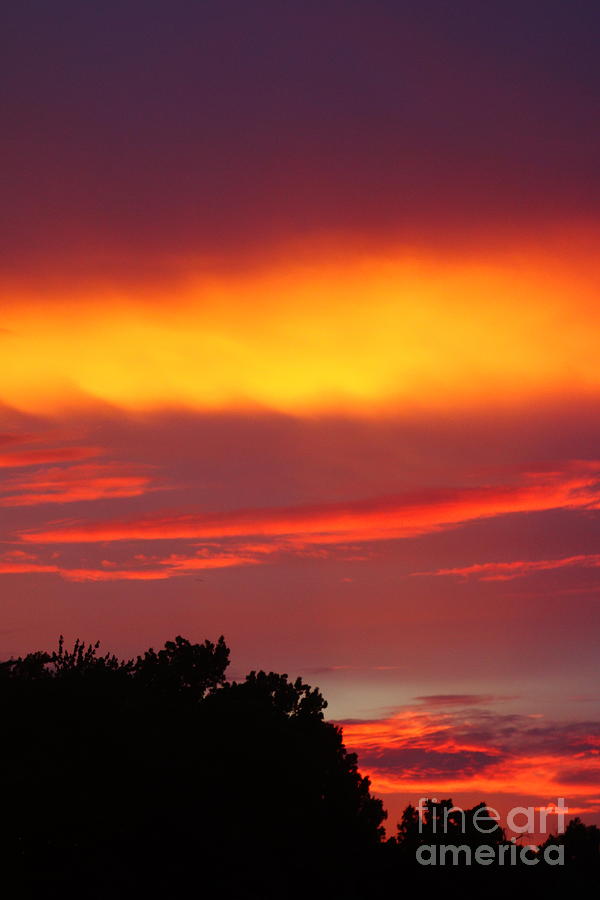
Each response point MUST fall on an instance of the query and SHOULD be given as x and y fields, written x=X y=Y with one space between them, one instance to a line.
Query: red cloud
x=444 y=700
x=506 y=571
x=574 y=486
x=420 y=752
x=12 y=438
x=8 y=567
x=73 y=483
x=142 y=569
x=44 y=455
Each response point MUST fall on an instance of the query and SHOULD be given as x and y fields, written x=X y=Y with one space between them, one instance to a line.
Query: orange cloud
x=390 y=331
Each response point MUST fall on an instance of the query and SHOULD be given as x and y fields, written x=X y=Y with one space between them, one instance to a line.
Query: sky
x=300 y=343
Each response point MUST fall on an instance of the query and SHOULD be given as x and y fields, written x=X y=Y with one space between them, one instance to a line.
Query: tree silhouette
x=581 y=843
x=443 y=823
x=148 y=776
x=182 y=666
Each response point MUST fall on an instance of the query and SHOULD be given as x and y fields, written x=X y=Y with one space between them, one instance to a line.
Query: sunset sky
x=300 y=343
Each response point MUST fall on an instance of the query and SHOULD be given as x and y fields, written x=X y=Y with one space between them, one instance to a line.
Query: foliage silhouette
x=443 y=823
x=149 y=775
x=581 y=843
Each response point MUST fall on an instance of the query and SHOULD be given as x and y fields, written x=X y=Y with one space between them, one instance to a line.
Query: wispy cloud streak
x=576 y=485
x=506 y=571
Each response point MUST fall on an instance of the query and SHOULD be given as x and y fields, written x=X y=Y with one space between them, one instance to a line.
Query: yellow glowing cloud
x=360 y=335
